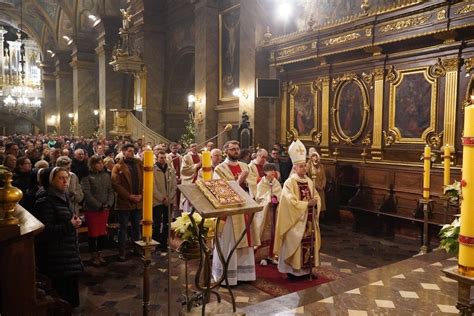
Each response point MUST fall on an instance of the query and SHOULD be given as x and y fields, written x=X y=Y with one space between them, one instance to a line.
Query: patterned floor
x=117 y=288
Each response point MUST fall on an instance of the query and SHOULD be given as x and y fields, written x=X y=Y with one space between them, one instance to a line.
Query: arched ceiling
x=48 y=21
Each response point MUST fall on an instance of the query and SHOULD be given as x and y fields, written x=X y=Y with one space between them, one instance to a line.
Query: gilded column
x=325 y=117
x=378 y=114
x=284 y=98
x=450 y=100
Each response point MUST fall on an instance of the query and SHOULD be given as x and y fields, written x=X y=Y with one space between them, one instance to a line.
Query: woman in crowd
x=23 y=179
x=57 y=245
x=75 y=191
x=99 y=198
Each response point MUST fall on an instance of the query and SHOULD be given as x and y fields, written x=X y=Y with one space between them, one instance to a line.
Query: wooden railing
x=128 y=125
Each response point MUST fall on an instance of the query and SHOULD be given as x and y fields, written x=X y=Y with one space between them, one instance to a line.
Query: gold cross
x=300 y=150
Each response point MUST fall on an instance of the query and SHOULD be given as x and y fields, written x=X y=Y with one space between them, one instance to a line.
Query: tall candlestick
x=426 y=172
x=147 y=194
x=466 y=235
x=447 y=165
x=206 y=165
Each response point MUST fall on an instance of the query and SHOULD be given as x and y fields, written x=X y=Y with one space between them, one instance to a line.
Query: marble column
x=63 y=75
x=248 y=22
x=85 y=94
x=206 y=67
x=110 y=81
x=49 y=108
x=150 y=39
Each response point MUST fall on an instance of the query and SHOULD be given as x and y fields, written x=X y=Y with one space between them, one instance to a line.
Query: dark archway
x=180 y=85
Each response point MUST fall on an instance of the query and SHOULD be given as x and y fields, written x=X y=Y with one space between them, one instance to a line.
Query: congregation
x=69 y=183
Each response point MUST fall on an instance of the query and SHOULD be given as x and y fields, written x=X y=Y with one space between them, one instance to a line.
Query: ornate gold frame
x=219 y=41
x=293 y=91
x=338 y=84
x=394 y=84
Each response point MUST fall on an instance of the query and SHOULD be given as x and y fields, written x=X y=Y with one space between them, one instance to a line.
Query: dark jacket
x=122 y=183
x=98 y=191
x=79 y=168
x=57 y=245
x=26 y=182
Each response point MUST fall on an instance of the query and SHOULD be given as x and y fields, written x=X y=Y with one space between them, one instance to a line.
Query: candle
x=206 y=165
x=447 y=165
x=426 y=172
x=147 y=194
x=466 y=235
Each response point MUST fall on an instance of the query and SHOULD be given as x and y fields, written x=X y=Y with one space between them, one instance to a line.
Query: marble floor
x=368 y=280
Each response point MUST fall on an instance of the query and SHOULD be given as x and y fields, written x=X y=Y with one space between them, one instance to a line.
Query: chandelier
x=20 y=73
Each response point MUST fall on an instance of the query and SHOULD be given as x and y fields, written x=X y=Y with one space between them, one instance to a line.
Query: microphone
x=226 y=129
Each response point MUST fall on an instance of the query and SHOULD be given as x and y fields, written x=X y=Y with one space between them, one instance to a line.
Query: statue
x=126 y=18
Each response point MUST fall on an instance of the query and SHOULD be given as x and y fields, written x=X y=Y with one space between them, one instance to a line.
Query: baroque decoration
x=304 y=110
x=351 y=109
x=412 y=103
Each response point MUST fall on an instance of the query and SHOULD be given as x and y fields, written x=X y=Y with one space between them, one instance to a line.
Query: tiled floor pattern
x=117 y=288
x=419 y=291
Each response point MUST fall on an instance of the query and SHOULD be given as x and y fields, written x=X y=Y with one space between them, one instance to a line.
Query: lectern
x=206 y=209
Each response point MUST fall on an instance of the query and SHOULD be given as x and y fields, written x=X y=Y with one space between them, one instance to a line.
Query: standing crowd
x=72 y=182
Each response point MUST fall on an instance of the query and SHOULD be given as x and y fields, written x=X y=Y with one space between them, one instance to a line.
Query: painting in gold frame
x=351 y=108
x=303 y=110
x=412 y=114
x=229 y=52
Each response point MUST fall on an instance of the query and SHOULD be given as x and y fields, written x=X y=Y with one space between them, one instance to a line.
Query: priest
x=242 y=263
x=297 y=235
x=256 y=171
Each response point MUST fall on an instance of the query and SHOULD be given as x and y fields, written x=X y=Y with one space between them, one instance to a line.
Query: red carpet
x=276 y=284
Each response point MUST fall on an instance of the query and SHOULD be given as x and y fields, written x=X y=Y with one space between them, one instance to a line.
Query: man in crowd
x=242 y=263
x=79 y=164
x=256 y=170
x=164 y=194
x=190 y=166
x=127 y=180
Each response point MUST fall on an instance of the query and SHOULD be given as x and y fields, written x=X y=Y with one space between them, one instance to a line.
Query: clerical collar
x=230 y=162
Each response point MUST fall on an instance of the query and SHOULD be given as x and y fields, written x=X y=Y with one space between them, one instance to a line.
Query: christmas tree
x=190 y=132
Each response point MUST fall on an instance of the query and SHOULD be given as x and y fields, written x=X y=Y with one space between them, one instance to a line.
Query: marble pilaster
x=63 y=77
x=85 y=97
x=110 y=82
x=206 y=67
x=49 y=101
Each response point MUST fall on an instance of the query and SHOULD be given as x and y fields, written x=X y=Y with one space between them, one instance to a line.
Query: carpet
x=270 y=281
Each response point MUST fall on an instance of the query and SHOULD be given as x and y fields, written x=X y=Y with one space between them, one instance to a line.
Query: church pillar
x=63 y=77
x=50 y=111
x=248 y=21
x=150 y=39
x=376 y=149
x=450 y=100
x=85 y=99
x=110 y=81
x=206 y=68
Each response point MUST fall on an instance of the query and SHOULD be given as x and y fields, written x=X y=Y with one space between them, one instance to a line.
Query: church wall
x=371 y=109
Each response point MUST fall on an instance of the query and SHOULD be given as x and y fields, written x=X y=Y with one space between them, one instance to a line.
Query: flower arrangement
x=449 y=233
x=184 y=229
x=453 y=193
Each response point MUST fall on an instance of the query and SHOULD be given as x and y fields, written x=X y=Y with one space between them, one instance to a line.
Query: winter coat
x=57 y=246
x=75 y=192
x=97 y=188
x=26 y=182
x=80 y=168
x=122 y=184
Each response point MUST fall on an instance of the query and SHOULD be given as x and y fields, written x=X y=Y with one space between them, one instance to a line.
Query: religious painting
x=351 y=108
x=412 y=105
x=229 y=52
x=303 y=110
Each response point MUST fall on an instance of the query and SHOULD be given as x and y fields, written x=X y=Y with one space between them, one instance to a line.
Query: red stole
x=305 y=193
x=176 y=164
x=260 y=172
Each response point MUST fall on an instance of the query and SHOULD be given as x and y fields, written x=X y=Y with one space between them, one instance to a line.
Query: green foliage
x=190 y=132
x=449 y=235
x=453 y=192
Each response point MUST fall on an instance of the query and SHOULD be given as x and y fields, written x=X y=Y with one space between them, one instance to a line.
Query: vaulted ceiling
x=48 y=21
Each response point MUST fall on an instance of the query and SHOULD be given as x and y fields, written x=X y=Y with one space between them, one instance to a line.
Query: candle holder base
x=147 y=247
x=465 y=304
x=213 y=308
x=427 y=207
